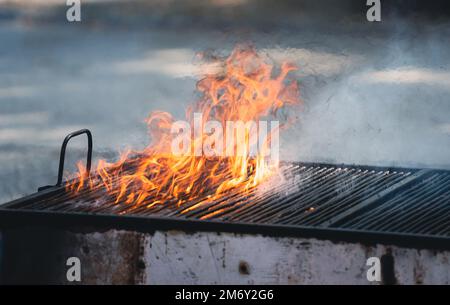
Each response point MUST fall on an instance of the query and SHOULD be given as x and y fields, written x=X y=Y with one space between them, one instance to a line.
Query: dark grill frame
x=14 y=214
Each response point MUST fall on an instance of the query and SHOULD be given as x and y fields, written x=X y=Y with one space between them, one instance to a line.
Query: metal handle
x=63 y=155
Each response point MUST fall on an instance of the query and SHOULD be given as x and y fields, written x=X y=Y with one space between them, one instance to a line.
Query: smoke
x=387 y=105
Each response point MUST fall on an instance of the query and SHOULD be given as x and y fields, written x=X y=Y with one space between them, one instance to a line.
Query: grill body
x=347 y=212
x=384 y=201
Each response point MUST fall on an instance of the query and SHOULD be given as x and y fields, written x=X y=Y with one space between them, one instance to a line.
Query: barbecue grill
x=395 y=213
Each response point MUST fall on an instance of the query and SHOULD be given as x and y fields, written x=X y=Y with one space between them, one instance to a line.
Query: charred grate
x=307 y=195
x=422 y=208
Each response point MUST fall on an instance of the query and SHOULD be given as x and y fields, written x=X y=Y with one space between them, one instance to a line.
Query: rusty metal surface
x=211 y=258
x=38 y=255
x=175 y=257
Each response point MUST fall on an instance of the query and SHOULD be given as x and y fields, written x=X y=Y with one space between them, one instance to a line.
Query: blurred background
x=374 y=93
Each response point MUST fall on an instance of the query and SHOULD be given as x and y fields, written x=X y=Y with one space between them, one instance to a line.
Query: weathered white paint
x=212 y=258
x=175 y=257
x=421 y=266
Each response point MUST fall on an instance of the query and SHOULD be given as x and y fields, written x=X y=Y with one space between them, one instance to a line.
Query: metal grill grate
x=423 y=208
x=307 y=195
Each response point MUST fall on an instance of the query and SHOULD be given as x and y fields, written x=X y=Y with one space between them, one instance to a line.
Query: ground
x=374 y=93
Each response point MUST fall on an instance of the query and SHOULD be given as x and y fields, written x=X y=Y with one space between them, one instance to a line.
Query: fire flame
x=247 y=89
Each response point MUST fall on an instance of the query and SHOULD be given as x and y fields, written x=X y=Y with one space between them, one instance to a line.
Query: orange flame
x=248 y=89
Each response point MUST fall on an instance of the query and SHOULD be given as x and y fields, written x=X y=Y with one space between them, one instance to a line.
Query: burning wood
x=248 y=90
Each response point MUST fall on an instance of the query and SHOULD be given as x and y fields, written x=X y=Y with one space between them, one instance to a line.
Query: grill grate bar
x=321 y=192
x=308 y=195
x=366 y=190
x=423 y=208
x=323 y=211
x=250 y=197
x=258 y=202
x=383 y=209
x=327 y=193
x=410 y=215
x=331 y=192
x=312 y=181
